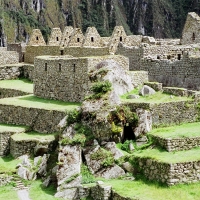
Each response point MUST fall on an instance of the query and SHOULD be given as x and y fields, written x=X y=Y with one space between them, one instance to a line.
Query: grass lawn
x=158 y=97
x=8 y=193
x=183 y=130
x=34 y=136
x=149 y=191
x=8 y=164
x=12 y=128
x=32 y=101
x=170 y=157
x=18 y=84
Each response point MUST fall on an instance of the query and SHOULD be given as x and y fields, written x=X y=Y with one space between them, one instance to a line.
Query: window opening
x=74 y=68
x=179 y=56
x=37 y=38
x=193 y=37
x=92 y=39
x=45 y=67
x=59 y=67
x=62 y=52
x=120 y=39
x=57 y=39
x=78 y=39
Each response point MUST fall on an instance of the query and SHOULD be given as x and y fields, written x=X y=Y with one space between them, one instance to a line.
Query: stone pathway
x=22 y=191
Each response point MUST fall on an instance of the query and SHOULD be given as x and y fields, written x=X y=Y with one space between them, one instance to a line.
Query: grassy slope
x=158 y=97
x=34 y=136
x=12 y=128
x=150 y=191
x=170 y=157
x=31 y=101
x=183 y=130
x=20 y=84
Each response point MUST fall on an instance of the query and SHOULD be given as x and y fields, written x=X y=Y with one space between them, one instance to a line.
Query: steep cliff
x=158 y=18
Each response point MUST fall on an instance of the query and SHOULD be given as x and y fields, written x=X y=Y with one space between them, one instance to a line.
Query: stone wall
x=36 y=38
x=9 y=72
x=9 y=57
x=133 y=53
x=169 y=174
x=92 y=38
x=5 y=179
x=77 y=38
x=66 y=78
x=169 y=113
x=40 y=120
x=66 y=36
x=55 y=37
x=16 y=47
x=86 y=51
x=27 y=71
x=184 y=73
x=190 y=32
x=33 y=51
x=176 y=144
x=4 y=93
x=4 y=143
x=139 y=77
x=61 y=78
x=27 y=146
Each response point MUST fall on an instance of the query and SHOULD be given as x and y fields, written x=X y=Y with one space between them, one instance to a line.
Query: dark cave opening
x=128 y=133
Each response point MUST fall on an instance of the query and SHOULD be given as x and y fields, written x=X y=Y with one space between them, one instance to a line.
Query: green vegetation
x=34 y=136
x=169 y=157
x=23 y=85
x=151 y=191
x=87 y=176
x=183 y=130
x=8 y=192
x=73 y=116
x=99 y=89
x=12 y=128
x=158 y=97
x=8 y=164
x=31 y=101
x=77 y=139
x=104 y=155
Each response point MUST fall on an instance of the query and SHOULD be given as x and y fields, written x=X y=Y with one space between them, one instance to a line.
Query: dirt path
x=23 y=194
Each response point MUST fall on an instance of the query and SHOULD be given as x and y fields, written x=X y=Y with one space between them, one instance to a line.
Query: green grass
x=34 y=136
x=170 y=157
x=23 y=85
x=8 y=193
x=149 y=191
x=32 y=101
x=158 y=97
x=38 y=192
x=12 y=128
x=8 y=164
x=183 y=130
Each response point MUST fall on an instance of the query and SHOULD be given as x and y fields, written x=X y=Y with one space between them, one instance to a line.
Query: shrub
x=87 y=176
x=101 y=87
x=73 y=116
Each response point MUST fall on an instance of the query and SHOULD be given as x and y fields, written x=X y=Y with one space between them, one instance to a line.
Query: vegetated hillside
x=158 y=18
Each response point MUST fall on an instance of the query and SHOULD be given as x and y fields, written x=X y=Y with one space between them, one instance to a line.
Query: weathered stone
x=146 y=90
x=128 y=167
x=133 y=96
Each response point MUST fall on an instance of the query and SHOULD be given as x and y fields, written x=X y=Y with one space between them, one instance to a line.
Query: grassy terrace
x=23 y=85
x=34 y=136
x=32 y=101
x=183 y=130
x=12 y=128
x=158 y=97
x=170 y=157
x=150 y=191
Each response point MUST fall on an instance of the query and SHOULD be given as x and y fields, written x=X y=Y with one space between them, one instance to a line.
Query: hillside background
x=158 y=18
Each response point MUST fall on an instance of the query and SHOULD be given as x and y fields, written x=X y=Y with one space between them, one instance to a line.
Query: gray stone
x=47 y=181
x=111 y=146
x=146 y=90
x=133 y=96
x=111 y=172
x=69 y=194
x=128 y=167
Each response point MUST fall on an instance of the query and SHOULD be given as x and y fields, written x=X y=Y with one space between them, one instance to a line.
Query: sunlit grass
x=12 y=128
x=183 y=130
x=32 y=101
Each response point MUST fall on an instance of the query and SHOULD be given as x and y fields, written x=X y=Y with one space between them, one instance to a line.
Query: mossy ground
x=182 y=130
x=32 y=101
x=23 y=85
x=12 y=128
x=158 y=97
x=34 y=136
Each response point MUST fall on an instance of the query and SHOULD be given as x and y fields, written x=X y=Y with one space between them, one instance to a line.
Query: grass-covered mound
x=184 y=130
x=158 y=97
x=23 y=85
x=170 y=157
x=150 y=191
x=32 y=101
x=12 y=128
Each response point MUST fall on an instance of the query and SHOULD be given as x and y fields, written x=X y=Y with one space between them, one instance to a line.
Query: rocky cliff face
x=158 y=18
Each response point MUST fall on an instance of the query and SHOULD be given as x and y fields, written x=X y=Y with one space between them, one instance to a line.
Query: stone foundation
x=176 y=144
x=4 y=93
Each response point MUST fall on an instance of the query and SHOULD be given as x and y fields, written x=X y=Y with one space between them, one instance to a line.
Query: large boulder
x=110 y=70
x=144 y=122
x=146 y=90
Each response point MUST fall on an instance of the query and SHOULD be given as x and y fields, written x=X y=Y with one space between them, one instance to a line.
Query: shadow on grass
x=50 y=190
x=41 y=100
